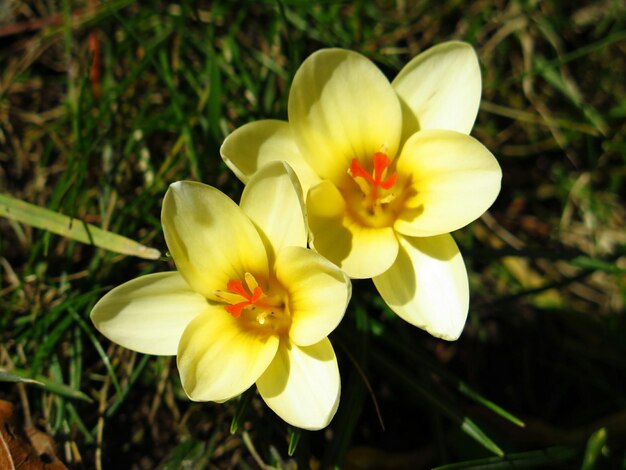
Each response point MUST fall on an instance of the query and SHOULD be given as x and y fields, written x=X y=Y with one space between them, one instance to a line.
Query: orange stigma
x=376 y=180
x=246 y=299
x=374 y=195
x=251 y=298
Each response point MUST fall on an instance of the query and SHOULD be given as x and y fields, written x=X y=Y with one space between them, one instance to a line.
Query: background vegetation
x=104 y=104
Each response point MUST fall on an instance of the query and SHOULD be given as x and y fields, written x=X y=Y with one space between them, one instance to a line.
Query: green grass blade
x=8 y=377
x=242 y=409
x=598 y=265
x=111 y=410
x=48 y=344
x=536 y=458
x=69 y=227
x=100 y=350
x=294 y=438
x=556 y=79
x=595 y=444
x=183 y=455
x=472 y=394
x=471 y=429
x=78 y=422
x=53 y=386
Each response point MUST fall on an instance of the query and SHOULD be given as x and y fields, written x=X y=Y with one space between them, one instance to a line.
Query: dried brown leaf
x=20 y=450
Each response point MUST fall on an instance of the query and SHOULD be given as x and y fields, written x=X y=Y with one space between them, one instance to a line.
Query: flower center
x=246 y=301
x=372 y=201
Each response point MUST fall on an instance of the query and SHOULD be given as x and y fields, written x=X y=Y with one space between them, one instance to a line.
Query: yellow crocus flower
x=388 y=169
x=249 y=303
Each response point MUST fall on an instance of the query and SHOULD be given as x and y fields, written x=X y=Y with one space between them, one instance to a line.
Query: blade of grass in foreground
x=69 y=227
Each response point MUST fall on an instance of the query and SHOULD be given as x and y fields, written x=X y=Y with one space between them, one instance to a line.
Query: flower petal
x=149 y=313
x=253 y=145
x=454 y=180
x=440 y=89
x=218 y=359
x=210 y=238
x=319 y=293
x=302 y=384
x=273 y=201
x=362 y=252
x=427 y=285
x=341 y=106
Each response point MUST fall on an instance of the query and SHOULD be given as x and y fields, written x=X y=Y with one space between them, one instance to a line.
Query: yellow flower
x=249 y=303
x=388 y=169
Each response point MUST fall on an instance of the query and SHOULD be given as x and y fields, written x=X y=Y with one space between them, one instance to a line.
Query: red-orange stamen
x=381 y=162
x=236 y=287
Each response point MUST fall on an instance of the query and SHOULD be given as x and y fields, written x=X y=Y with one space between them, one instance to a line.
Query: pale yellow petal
x=273 y=201
x=253 y=145
x=362 y=252
x=302 y=385
x=210 y=238
x=218 y=359
x=440 y=89
x=149 y=313
x=341 y=106
x=427 y=285
x=454 y=179
x=318 y=293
